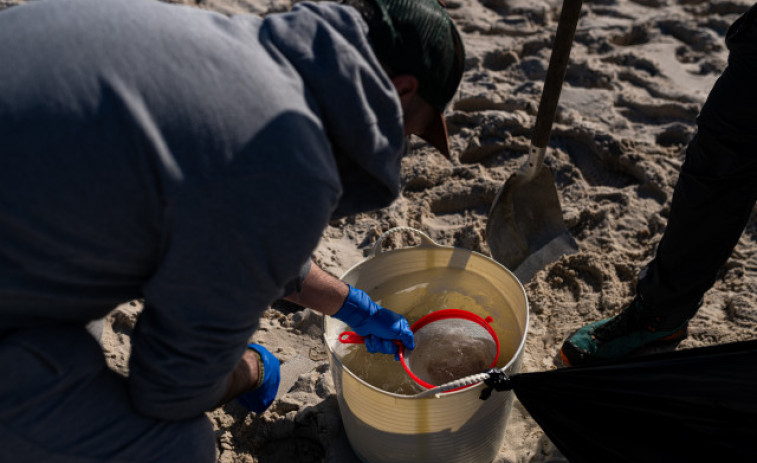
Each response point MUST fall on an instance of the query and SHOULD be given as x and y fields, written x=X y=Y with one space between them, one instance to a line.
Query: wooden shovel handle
x=558 y=63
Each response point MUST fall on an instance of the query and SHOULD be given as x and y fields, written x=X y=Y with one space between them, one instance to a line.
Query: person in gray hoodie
x=191 y=159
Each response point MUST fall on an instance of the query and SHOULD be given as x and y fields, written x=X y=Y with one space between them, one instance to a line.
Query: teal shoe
x=620 y=336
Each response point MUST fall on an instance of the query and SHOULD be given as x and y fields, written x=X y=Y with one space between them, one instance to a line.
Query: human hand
x=379 y=326
x=260 y=398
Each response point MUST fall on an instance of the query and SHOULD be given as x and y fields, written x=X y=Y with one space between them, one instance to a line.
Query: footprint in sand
x=596 y=157
x=636 y=34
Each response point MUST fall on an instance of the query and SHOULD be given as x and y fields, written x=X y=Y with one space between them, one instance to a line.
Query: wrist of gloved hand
x=380 y=326
x=260 y=398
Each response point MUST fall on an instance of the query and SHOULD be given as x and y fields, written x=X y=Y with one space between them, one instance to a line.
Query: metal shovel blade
x=525 y=229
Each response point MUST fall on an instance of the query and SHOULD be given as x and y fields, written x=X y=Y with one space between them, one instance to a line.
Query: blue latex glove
x=261 y=398
x=379 y=326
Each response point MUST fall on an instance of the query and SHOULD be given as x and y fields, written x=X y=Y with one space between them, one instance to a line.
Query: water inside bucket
x=381 y=371
x=420 y=293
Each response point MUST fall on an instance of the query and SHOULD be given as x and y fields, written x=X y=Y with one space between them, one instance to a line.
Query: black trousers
x=716 y=189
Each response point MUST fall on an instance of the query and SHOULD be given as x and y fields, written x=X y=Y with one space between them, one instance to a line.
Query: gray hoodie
x=193 y=159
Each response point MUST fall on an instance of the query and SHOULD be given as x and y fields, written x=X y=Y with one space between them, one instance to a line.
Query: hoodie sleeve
x=233 y=248
x=328 y=45
x=295 y=285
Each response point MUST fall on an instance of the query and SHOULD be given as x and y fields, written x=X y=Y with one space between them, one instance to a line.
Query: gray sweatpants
x=59 y=402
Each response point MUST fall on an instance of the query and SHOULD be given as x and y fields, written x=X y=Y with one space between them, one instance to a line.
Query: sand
x=639 y=72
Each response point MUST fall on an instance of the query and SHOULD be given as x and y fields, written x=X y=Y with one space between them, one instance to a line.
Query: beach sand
x=638 y=75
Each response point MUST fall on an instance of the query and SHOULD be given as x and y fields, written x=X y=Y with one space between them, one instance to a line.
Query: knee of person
x=196 y=443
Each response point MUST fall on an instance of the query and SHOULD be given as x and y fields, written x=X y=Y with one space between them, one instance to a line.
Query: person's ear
x=406 y=85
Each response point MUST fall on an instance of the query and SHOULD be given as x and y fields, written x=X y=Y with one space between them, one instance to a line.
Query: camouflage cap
x=418 y=37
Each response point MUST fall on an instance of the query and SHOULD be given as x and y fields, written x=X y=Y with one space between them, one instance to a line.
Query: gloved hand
x=379 y=326
x=259 y=399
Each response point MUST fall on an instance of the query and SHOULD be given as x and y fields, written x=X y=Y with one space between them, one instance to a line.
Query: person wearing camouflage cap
x=192 y=160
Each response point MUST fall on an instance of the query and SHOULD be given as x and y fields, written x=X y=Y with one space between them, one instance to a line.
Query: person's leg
x=711 y=204
x=59 y=402
x=716 y=189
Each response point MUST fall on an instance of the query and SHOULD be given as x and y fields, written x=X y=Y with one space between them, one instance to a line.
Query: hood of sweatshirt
x=328 y=45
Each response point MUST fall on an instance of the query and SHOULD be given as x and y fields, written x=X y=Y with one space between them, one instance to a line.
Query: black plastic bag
x=684 y=406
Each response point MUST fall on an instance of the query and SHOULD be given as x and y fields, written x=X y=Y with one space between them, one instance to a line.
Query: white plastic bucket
x=453 y=426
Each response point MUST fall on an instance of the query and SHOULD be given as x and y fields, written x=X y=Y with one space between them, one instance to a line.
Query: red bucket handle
x=350 y=337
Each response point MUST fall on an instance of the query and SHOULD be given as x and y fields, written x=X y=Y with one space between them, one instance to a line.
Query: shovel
x=525 y=230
